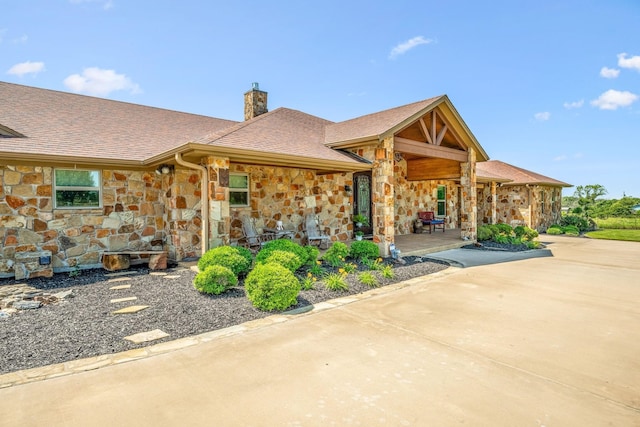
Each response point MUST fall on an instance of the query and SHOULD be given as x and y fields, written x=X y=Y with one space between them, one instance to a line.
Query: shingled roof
x=495 y=170
x=76 y=126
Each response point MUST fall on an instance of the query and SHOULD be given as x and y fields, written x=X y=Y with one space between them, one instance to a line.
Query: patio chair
x=428 y=218
x=314 y=235
x=251 y=239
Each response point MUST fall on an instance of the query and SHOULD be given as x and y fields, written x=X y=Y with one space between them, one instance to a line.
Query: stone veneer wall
x=288 y=194
x=133 y=217
x=184 y=216
x=412 y=197
x=513 y=206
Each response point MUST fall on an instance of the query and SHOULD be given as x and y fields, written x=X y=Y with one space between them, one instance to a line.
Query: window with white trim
x=238 y=189
x=442 y=201
x=77 y=188
x=542 y=201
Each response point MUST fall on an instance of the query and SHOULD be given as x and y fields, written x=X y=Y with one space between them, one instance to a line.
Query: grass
x=611 y=234
x=618 y=223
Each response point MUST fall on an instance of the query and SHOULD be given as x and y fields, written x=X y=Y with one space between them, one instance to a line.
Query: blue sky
x=550 y=86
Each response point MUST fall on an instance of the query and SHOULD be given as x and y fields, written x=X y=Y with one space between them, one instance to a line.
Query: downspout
x=204 y=199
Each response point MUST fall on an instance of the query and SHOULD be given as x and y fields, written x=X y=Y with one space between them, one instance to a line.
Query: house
x=81 y=175
x=515 y=196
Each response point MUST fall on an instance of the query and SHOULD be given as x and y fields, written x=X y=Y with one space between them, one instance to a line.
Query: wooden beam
x=433 y=125
x=422 y=149
x=425 y=130
x=441 y=134
x=430 y=169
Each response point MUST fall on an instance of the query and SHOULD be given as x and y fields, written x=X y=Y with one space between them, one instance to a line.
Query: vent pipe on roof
x=255 y=102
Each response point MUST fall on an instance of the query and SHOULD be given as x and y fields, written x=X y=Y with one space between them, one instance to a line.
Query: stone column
x=219 y=211
x=494 y=202
x=469 y=216
x=383 y=196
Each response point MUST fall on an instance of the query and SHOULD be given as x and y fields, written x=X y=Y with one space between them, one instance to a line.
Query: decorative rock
x=64 y=294
x=158 y=261
x=26 y=305
x=115 y=262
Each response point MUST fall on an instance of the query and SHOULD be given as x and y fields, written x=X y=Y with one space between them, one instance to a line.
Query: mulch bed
x=84 y=326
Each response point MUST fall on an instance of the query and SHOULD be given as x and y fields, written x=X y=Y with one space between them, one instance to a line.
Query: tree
x=587 y=196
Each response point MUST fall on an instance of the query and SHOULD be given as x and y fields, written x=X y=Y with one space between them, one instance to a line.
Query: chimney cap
x=255 y=86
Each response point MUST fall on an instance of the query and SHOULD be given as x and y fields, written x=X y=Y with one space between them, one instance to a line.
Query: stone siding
x=133 y=217
x=521 y=205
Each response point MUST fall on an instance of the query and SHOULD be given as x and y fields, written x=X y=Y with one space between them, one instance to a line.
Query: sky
x=548 y=86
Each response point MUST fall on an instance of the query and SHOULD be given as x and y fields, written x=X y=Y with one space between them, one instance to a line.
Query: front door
x=362 y=199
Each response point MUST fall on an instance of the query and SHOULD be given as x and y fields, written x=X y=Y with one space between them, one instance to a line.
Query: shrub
x=283 y=245
x=581 y=223
x=288 y=260
x=571 y=230
x=367 y=278
x=387 y=272
x=215 y=279
x=271 y=287
x=525 y=233
x=308 y=282
x=485 y=232
x=336 y=254
x=336 y=282
x=227 y=256
x=246 y=253
x=316 y=269
x=505 y=229
x=555 y=230
x=312 y=254
x=364 y=249
x=349 y=267
x=373 y=265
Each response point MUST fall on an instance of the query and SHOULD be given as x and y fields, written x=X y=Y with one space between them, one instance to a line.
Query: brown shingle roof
x=281 y=131
x=64 y=124
x=373 y=125
x=495 y=170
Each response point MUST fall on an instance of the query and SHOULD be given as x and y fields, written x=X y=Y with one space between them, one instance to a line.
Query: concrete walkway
x=551 y=341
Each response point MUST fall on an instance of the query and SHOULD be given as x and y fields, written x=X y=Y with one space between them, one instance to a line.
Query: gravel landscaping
x=82 y=324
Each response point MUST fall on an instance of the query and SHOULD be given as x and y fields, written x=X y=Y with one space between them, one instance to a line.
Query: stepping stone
x=156 y=334
x=173 y=276
x=157 y=273
x=130 y=310
x=120 y=273
x=115 y=300
x=119 y=279
x=115 y=288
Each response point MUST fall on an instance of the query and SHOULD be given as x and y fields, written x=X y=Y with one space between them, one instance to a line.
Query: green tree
x=587 y=196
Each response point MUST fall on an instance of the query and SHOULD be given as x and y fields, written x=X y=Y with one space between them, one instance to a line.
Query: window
x=442 y=200
x=542 y=201
x=76 y=188
x=239 y=190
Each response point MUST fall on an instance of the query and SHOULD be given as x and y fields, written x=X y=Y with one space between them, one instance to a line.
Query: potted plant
x=359 y=235
x=360 y=220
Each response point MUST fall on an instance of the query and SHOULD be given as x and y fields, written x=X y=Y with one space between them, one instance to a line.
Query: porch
x=425 y=243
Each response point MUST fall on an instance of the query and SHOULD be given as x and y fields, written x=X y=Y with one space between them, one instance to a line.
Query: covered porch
x=424 y=243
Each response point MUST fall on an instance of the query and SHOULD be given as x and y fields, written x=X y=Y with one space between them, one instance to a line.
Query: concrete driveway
x=551 y=341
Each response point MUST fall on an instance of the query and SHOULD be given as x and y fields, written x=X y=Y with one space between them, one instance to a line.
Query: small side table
x=281 y=234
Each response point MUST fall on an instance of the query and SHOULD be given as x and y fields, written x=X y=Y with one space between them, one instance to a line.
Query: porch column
x=383 y=196
x=469 y=216
x=494 y=202
x=219 y=211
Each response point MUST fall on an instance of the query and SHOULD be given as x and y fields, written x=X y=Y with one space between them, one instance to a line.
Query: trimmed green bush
x=571 y=230
x=288 y=260
x=555 y=230
x=485 y=232
x=271 y=287
x=246 y=253
x=227 y=256
x=312 y=254
x=581 y=223
x=282 y=245
x=364 y=249
x=525 y=233
x=215 y=279
x=368 y=278
x=336 y=254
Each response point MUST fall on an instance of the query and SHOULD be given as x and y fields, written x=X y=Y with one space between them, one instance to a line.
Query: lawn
x=627 y=235
x=618 y=223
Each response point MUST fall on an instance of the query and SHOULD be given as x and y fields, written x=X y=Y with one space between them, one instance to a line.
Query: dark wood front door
x=362 y=199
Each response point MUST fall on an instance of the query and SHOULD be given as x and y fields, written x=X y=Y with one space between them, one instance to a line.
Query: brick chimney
x=255 y=102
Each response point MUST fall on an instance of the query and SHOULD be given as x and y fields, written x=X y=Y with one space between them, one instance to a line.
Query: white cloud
x=106 y=4
x=560 y=158
x=404 y=47
x=95 y=81
x=609 y=73
x=633 y=62
x=543 y=116
x=612 y=99
x=26 y=68
x=22 y=39
x=574 y=104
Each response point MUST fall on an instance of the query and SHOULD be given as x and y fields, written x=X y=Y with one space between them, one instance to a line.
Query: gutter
x=204 y=199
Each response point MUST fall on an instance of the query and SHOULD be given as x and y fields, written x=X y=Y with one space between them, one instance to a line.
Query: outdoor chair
x=251 y=239
x=428 y=218
x=314 y=235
